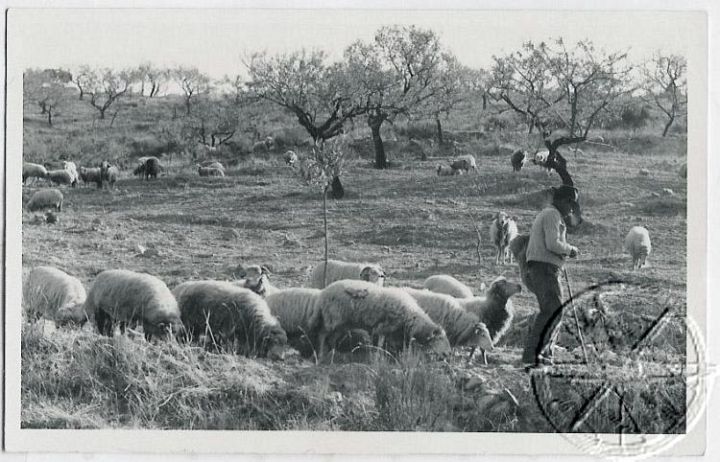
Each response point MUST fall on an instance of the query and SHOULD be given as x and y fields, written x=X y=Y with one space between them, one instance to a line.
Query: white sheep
x=290 y=158
x=60 y=177
x=31 y=170
x=128 y=297
x=461 y=327
x=540 y=159
x=447 y=170
x=337 y=270
x=298 y=312
x=464 y=162
x=383 y=312
x=446 y=284
x=110 y=175
x=503 y=230
x=495 y=308
x=257 y=279
x=91 y=175
x=637 y=244
x=72 y=169
x=54 y=295
x=45 y=198
x=210 y=171
x=231 y=315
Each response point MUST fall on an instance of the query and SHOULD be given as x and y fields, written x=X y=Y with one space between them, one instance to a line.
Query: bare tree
x=81 y=78
x=213 y=122
x=395 y=74
x=560 y=91
x=665 y=87
x=192 y=82
x=106 y=86
x=47 y=89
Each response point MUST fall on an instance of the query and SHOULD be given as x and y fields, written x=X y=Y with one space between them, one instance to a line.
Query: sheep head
x=481 y=337
x=503 y=289
x=373 y=274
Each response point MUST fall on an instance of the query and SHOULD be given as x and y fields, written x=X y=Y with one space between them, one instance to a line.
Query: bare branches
x=665 y=86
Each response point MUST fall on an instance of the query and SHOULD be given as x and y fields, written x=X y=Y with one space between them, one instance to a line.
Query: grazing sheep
x=383 y=312
x=91 y=175
x=518 y=247
x=128 y=297
x=229 y=314
x=212 y=164
x=447 y=170
x=31 y=170
x=150 y=167
x=257 y=279
x=298 y=312
x=464 y=162
x=290 y=158
x=60 y=177
x=518 y=159
x=264 y=145
x=644 y=172
x=683 y=170
x=210 y=171
x=337 y=270
x=495 y=308
x=462 y=328
x=140 y=166
x=54 y=295
x=445 y=284
x=503 y=230
x=72 y=169
x=637 y=244
x=45 y=198
x=109 y=175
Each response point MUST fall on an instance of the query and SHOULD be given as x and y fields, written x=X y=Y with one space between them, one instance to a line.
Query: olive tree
x=106 y=86
x=46 y=88
x=192 y=82
x=665 y=85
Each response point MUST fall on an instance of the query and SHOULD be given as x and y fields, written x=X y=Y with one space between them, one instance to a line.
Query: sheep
x=644 y=172
x=257 y=279
x=229 y=314
x=446 y=284
x=540 y=159
x=298 y=312
x=446 y=170
x=383 y=312
x=212 y=164
x=464 y=162
x=140 y=166
x=337 y=270
x=54 y=295
x=150 y=167
x=683 y=170
x=637 y=244
x=109 y=175
x=91 y=175
x=45 y=198
x=495 y=308
x=503 y=230
x=461 y=327
x=128 y=297
x=72 y=169
x=263 y=145
x=290 y=158
x=210 y=171
x=518 y=159
x=31 y=170
x=60 y=177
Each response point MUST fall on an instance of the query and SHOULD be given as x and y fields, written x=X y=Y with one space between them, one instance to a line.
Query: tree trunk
x=375 y=122
x=142 y=88
x=556 y=161
x=187 y=106
x=337 y=188
x=668 y=125
x=325 y=227
x=102 y=114
x=49 y=115
x=438 y=125
x=485 y=100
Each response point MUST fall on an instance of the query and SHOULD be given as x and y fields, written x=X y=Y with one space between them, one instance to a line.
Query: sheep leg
x=472 y=352
x=320 y=354
x=484 y=355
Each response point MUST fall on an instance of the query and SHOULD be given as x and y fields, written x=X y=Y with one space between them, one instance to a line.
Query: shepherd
x=546 y=253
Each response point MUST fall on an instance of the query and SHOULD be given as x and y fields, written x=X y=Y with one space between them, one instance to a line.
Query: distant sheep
x=337 y=270
x=384 y=313
x=518 y=159
x=637 y=244
x=462 y=327
x=257 y=279
x=72 y=169
x=140 y=166
x=540 y=159
x=31 y=170
x=290 y=158
x=230 y=315
x=212 y=164
x=298 y=312
x=109 y=175
x=149 y=168
x=464 y=162
x=446 y=284
x=683 y=170
x=264 y=145
x=210 y=171
x=60 y=177
x=447 y=170
x=91 y=175
x=54 y=295
x=644 y=172
x=503 y=230
x=45 y=198
x=495 y=308
x=127 y=297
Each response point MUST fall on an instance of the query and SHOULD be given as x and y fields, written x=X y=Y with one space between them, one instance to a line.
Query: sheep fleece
x=336 y=271
x=445 y=284
x=45 y=198
x=444 y=310
x=297 y=309
x=48 y=290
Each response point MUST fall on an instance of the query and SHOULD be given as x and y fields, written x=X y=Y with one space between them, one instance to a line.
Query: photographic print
x=435 y=230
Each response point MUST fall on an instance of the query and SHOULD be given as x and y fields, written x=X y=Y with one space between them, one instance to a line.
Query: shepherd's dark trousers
x=544 y=281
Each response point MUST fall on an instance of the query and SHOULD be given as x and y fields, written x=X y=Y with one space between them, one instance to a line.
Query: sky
x=216 y=40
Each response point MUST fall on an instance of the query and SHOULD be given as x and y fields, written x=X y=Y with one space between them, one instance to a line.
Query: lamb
x=45 y=198
x=447 y=170
x=448 y=285
x=60 y=177
x=290 y=158
x=382 y=312
x=128 y=297
x=229 y=314
x=495 y=308
x=502 y=231
x=31 y=170
x=462 y=328
x=54 y=295
x=337 y=270
x=518 y=159
x=298 y=312
x=464 y=162
x=637 y=244
x=91 y=175
x=210 y=171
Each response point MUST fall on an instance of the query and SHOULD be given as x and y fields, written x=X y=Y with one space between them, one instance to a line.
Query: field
x=408 y=219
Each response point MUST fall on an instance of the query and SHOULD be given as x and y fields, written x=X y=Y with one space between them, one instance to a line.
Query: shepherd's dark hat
x=565 y=192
